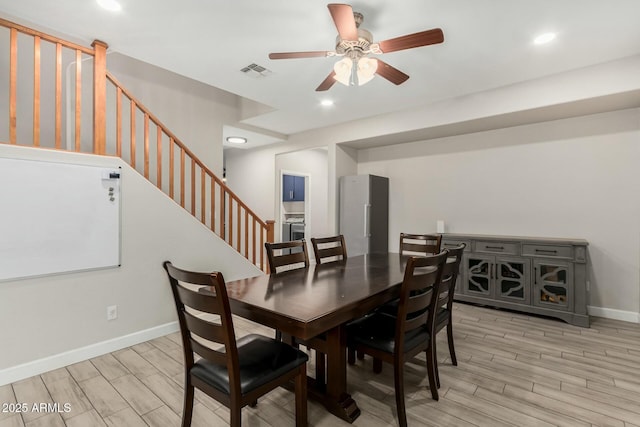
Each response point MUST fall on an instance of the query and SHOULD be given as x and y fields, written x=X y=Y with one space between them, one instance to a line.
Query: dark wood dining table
x=319 y=301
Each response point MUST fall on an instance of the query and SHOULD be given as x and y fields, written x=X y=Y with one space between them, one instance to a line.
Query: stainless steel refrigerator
x=364 y=213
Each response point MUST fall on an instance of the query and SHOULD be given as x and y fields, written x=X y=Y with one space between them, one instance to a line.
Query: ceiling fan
x=355 y=44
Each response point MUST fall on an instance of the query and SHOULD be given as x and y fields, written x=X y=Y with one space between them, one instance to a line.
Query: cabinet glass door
x=512 y=280
x=478 y=275
x=553 y=284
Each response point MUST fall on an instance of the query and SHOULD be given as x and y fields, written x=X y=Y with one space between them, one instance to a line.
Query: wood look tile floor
x=513 y=370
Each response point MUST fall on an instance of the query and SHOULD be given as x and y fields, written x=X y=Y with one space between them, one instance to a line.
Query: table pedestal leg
x=336 y=399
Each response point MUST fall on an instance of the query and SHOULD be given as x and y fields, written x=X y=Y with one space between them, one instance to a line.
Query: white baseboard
x=612 y=313
x=37 y=367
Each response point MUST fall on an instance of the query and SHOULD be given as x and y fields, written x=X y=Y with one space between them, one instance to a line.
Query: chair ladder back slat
x=330 y=252
x=208 y=353
x=199 y=301
x=288 y=259
x=419 y=302
x=416 y=322
x=206 y=329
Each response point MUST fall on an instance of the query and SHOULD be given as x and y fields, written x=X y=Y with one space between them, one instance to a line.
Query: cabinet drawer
x=448 y=244
x=497 y=247
x=548 y=251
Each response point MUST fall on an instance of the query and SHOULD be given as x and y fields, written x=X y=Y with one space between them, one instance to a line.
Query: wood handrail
x=44 y=36
x=180 y=144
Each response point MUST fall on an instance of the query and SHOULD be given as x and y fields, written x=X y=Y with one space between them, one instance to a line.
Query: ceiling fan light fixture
x=342 y=69
x=366 y=70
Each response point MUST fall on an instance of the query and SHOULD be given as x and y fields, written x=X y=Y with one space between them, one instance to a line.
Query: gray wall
x=574 y=178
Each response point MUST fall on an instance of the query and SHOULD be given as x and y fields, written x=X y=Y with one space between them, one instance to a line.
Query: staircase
x=106 y=119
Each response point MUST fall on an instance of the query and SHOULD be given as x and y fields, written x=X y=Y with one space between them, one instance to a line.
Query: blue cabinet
x=292 y=188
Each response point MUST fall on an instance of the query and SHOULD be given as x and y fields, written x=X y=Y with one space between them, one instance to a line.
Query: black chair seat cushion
x=391 y=309
x=378 y=330
x=262 y=359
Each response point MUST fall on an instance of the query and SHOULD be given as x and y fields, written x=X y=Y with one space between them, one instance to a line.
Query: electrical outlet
x=112 y=312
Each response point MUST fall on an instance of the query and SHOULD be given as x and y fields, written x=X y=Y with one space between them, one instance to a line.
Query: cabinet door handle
x=547 y=251
x=500 y=248
x=291 y=194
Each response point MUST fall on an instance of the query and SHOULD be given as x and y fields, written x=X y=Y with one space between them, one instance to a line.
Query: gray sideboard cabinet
x=546 y=276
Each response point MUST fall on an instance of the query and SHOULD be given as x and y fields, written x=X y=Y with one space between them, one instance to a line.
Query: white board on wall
x=57 y=218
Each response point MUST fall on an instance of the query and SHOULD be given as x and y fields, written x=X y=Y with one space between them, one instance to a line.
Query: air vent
x=255 y=71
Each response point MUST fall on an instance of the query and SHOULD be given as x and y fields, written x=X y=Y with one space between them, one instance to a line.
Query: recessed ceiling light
x=236 y=139
x=326 y=103
x=111 y=5
x=544 y=38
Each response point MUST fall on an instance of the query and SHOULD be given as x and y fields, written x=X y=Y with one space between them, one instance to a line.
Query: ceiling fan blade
x=390 y=73
x=409 y=41
x=327 y=83
x=290 y=55
x=342 y=15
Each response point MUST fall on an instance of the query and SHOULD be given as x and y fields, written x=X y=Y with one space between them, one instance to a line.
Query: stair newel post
x=270 y=230
x=99 y=97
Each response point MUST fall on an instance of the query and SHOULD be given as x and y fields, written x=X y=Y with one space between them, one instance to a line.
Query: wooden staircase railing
x=121 y=126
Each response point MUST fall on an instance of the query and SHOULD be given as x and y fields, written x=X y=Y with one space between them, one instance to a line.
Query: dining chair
x=329 y=249
x=396 y=340
x=414 y=244
x=279 y=257
x=444 y=303
x=243 y=369
x=423 y=244
x=289 y=255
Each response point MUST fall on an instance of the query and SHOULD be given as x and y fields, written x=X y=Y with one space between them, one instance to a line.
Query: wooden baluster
x=262 y=266
x=253 y=240
x=78 y=97
x=146 y=145
x=171 y=160
x=221 y=209
x=203 y=197
x=99 y=97
x=58 y=95
x=230 y=226
x=118 y=121
x=213 y=204
x=36 y=91
x=159 y=156
x=246 y=234
x=182 y=172
x=13 y=85
x=193 y=186
x=239 y=209
x=270 y=230
x=132 y=133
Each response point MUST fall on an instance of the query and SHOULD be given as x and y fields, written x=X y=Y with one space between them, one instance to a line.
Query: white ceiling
x=488 y=44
